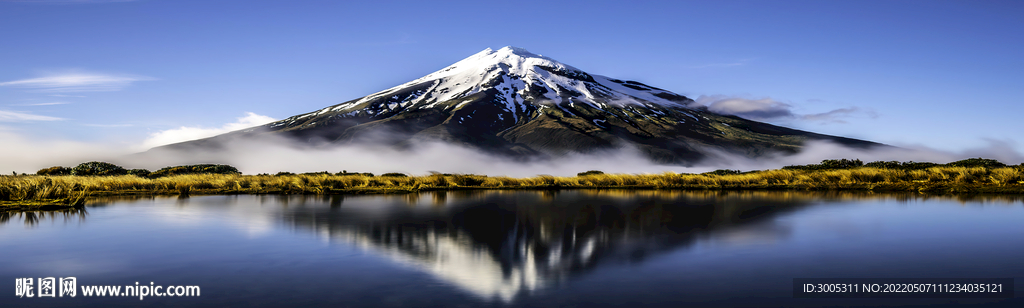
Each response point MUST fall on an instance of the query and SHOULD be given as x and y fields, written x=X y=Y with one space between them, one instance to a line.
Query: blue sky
x=941 y=74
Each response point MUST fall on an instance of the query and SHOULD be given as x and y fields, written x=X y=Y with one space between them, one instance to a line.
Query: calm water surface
x=589 y=248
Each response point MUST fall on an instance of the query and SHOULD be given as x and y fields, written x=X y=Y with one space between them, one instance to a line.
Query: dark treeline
x=834 y=164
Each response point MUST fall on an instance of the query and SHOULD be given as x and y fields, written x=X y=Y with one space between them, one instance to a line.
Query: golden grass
x=933 y=180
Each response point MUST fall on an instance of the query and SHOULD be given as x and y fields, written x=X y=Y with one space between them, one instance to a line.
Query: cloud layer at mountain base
x=26 y=155
x=186 y=133
x=272 y=156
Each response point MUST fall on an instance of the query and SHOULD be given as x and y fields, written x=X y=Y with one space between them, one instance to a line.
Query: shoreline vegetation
x=63 y=187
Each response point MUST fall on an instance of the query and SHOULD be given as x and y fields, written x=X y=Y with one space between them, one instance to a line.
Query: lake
x=569 y=248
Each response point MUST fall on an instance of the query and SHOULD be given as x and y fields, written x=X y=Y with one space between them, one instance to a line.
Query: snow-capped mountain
x=515 y=102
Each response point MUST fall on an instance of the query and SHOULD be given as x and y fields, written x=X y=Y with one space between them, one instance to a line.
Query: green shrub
x=918 y=165
x=909 y=165
x=395 y=174
x=466 y=179
x=139 y=172
x=345 y=172
x=98 y=169
x=841 y=163
x=283 y=173
x=57 y=170
x=977 y=162
x=885 y=164
x=828 y=164
x=195 y=169
x=723 y=172
x=591 y=172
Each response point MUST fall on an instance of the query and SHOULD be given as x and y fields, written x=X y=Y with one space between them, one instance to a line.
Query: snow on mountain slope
x=522 y=78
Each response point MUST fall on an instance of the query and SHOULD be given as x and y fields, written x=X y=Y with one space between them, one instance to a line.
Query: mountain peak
x=524 y=78
x=512 y=51
x=514 y=60
x=508 y=51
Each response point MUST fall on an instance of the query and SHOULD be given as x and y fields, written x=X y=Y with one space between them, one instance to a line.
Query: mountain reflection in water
x=499 y=244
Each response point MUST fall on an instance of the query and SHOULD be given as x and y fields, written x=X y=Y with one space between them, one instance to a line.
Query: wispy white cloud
x=191 y=133
x=44 y=103
x=837 y=114
x=65 y=95
x=11 y=116
x=768 y=109
x=76 y=82
x=754 y=109
x=109 y=125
